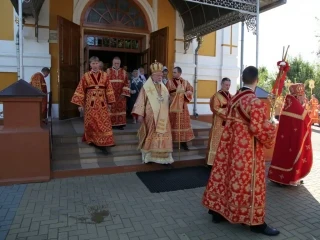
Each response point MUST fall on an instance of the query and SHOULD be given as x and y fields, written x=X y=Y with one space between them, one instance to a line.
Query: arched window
x=115 y=14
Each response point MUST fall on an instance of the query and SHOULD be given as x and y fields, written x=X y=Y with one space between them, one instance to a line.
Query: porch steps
x=70 y=153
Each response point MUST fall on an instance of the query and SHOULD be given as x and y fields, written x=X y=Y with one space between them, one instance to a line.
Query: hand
x=273 y=121
x=80 y=109
x=140 y=119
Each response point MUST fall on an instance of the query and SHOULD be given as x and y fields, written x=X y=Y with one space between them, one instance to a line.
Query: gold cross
x=150 y=90
x=230 y=44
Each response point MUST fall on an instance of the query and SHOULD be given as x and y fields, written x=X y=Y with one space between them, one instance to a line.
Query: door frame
x=84 y=30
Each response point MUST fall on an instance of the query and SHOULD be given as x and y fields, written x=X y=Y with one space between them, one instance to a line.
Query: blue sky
x=292 y=24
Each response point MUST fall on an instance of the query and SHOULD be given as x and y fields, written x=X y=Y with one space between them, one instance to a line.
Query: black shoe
x=184 y=145
x=102 y=149
x=265 y=230
x=216 y=217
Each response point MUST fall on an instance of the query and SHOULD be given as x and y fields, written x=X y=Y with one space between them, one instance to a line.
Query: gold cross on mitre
x=230 y=44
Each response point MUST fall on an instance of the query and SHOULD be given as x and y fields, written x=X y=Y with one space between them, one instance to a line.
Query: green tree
x=300 y=70
x=316 y=78
x=266 y=79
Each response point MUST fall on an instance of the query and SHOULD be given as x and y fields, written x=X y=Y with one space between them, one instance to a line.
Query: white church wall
x=35 y=53
x=224 y=64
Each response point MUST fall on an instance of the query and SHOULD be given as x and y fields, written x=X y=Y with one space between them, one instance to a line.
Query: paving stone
x=59 y=210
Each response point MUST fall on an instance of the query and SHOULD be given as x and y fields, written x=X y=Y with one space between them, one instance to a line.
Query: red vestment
x=236 y=187
x=95 y=93
x=292 y=157
x=120 y=84
x=314 y=110
x=38 y=81
x=184 y=126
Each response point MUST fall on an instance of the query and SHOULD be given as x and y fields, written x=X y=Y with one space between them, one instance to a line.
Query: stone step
x=118 y=155
x=130 y=134
x=123 y=145
x=100 y=163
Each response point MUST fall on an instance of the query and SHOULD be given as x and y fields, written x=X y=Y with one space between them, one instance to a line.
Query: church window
x=115 y=14
x=115 y=43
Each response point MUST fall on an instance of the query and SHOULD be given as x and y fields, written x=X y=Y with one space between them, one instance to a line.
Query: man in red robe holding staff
x=292 y=157
x=120 y=84
x=94 y=95
x=236 y=190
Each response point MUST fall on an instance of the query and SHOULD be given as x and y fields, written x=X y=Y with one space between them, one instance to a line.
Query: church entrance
x=106 y=46
x=129 y=61
x=107 y=29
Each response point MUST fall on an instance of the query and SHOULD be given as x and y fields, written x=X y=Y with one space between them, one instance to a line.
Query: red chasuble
x=185 y=128
x=120 y=84
x=95 y=93
x=38 y=81
x=292 y=157
x=314 y=110
x=236 y=187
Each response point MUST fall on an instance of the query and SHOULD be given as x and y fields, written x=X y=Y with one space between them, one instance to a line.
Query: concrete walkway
x=120 y=207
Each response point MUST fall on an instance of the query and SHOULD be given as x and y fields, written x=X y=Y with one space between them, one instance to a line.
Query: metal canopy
x=31 y=8
x=202 y=17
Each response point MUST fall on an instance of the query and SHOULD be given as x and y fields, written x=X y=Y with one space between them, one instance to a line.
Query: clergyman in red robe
x=94 y=96
x=236 y=190
x=120 y=84
x=314 y=109
x=292 y=157
x=181 y=93
x=38 y=81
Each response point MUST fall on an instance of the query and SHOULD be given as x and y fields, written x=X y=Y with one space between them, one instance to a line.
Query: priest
x=292 y=157
x=236 y=191
x=94 y=95
x=218 y=105
x=181 y=93
x=152 y=111
x=314 y=103
x=120 y=84
x=38 y=81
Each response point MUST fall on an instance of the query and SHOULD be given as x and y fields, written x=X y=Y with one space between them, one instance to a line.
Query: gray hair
x=94 y=59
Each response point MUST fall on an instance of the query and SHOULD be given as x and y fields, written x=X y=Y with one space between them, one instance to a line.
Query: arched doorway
x=115 y=28
x=107 y=28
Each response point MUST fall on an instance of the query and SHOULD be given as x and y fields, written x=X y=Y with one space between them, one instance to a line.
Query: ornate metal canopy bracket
x=187 y=45
x=30 y=8
x=251 y=23
x=244 y=6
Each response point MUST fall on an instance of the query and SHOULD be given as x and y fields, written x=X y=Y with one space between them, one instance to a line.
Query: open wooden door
x=85 y=59
x=69 y=66
x=145 y=60
x=159 y=46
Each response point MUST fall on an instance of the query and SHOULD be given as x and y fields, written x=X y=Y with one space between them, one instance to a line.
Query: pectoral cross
x=150 y=90
x=230 y=44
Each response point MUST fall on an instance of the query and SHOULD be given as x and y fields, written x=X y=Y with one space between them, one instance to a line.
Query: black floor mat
x=175 y=179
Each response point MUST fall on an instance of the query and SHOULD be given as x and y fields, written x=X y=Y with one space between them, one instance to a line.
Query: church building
x=64 y=34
